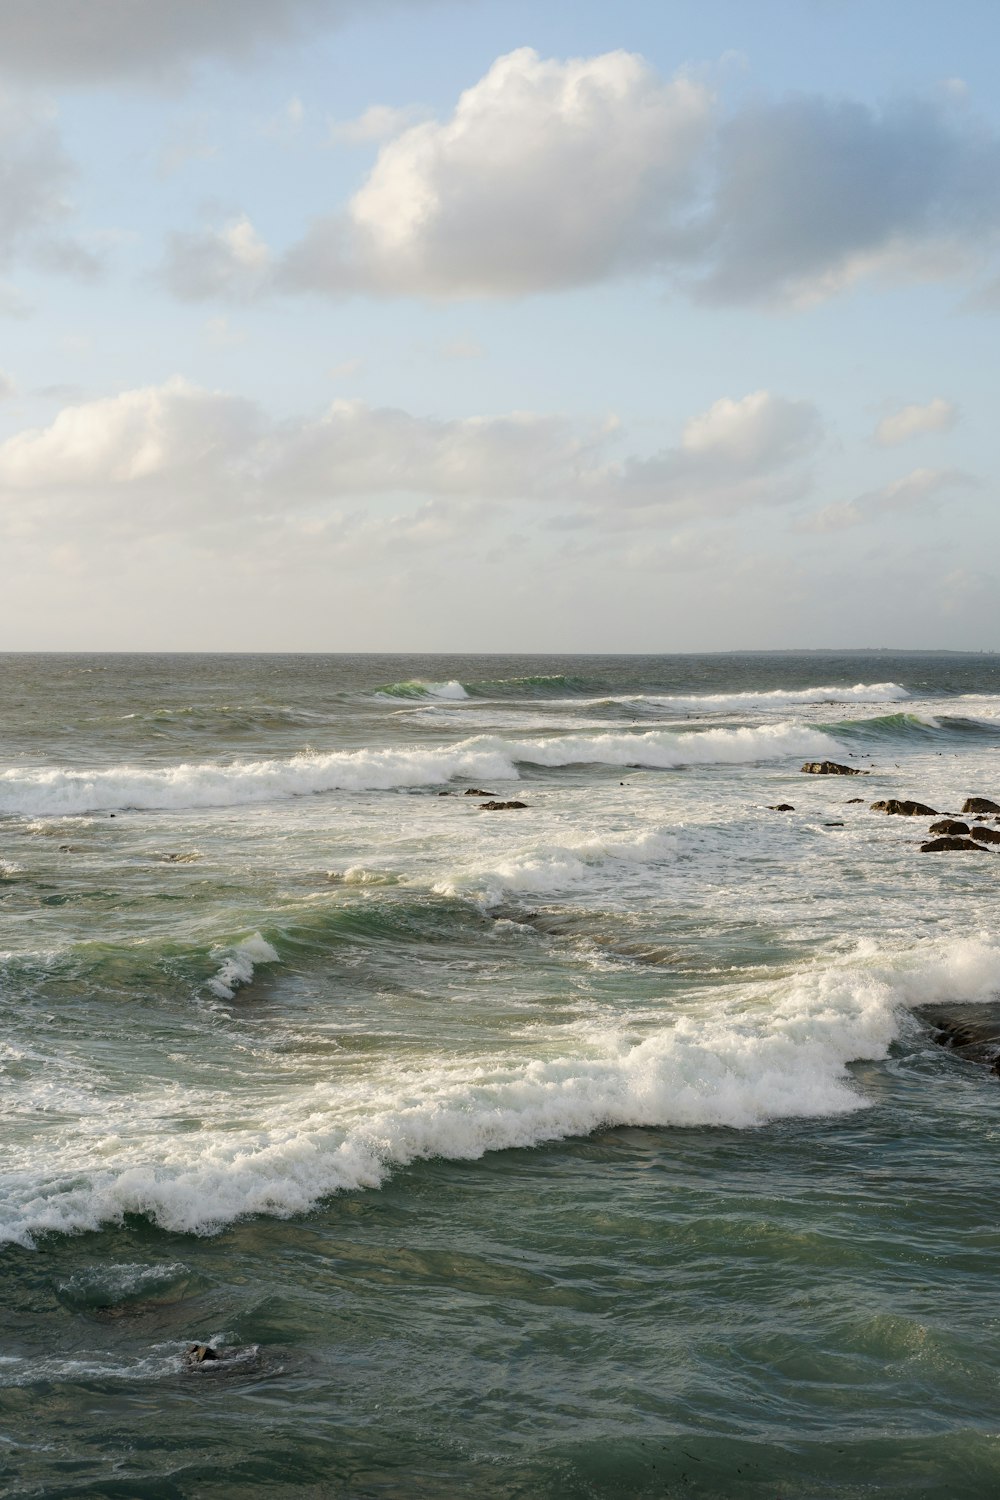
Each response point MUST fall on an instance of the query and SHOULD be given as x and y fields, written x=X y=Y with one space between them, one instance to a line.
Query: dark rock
x=475 y=791
x=500 y=806
x=197 y=1354
x=938 y=846
x=949 y=825
x=831 y=768
x=780 y=807
x=444 y=794
x=853 y=799
x=985 y=835
x=833 y=825
x=972 y=1031
x=980 y=805
x=904 y=809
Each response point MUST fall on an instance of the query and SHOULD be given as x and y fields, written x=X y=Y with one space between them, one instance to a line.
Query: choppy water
x=599 y=1148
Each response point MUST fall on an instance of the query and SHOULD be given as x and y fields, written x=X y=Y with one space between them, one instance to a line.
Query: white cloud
x=916 y=491
x=735 y=454
x=936 y=415
x=231 y=262
x=377 y=123
x=207 y=454
x=547 y=174
x=554 y=174
x=157 y=434
x=7 y=387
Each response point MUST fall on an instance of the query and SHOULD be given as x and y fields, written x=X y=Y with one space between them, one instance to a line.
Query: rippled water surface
x=595 y=1148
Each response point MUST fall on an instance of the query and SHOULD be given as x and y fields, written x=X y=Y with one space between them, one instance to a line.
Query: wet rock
x=500 y=806
x=831 y=768
x=475 y=791
x=197 y=1354
x=833 y=825
x=940 y=846
x=853 y=799
x=980 y=805
x=949 y=825
x=971 y=1031
x=985 y=835
x=904 y=809
x=780 y=807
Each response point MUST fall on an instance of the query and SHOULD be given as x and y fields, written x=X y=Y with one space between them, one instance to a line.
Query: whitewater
x=304 y=1049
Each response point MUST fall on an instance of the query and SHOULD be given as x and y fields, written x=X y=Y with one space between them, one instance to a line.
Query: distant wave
x=909 y=726
x=772 y=1050
x=418 y=689
x=562 y=685
x=780 y=699
x=481 y=759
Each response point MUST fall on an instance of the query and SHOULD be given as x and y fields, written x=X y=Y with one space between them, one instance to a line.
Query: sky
x=487 y=325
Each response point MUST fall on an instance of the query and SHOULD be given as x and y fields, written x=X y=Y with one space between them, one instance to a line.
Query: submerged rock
x=780 y=807
x=197 y=1354
x=949 y=825
x=972 y=1031
x=853 y=799
x=500 y=806
x=940 y=846
x=904 y=809
x=980 y=805
x=475 y=791
x=831 y=768
x=985 y=835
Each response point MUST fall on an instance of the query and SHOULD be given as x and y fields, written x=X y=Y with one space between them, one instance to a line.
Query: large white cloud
x=547 y=174
x=206 y=455
x=555 y=174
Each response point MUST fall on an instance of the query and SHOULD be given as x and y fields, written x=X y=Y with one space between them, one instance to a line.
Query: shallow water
x=599 y=1148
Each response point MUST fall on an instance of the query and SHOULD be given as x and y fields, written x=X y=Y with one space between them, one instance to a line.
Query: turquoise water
x=599 y=1148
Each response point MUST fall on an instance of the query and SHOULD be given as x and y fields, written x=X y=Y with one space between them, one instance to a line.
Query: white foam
x=763 y=1051
x=550 y=868
x=237 y=967
x=776 y=698
x=481 y=758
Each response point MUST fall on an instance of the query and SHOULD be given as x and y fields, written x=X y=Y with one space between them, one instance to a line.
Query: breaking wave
x=776 y=1049
x=482 y=759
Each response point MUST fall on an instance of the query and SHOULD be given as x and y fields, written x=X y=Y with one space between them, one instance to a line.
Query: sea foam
x=766 y=1051
x=481 y=758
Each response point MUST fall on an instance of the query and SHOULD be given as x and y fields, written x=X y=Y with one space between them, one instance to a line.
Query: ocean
x=596 y=1147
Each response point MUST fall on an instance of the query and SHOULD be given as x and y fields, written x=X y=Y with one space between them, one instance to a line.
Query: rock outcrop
x=904 y=809
x=941 y=846
x=831 y=768
x=949 y=825
x=780 y=807
x=979 y=805
x=971 y=1031
x=500 y=806
x=985 y=835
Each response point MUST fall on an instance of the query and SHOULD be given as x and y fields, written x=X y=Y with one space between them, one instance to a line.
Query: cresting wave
x=418 y=689
x=481 y=758
x=775 y=1050
x=560 y=685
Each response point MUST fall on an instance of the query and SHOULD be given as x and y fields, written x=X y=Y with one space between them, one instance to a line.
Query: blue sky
x=467 y=325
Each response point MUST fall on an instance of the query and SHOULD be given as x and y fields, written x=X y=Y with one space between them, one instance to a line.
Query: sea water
x=599 y=1147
